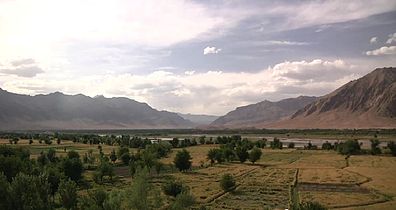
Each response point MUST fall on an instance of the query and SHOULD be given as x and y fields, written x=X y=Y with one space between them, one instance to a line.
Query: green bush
x=172 y=188
x=227 y=182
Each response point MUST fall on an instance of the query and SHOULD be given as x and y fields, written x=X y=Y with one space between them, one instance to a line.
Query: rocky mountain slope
x=262 y=113
x=60 y=111
x=368 y=102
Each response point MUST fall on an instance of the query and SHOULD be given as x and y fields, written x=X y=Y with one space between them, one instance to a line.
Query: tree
x=68 y=194
x=172 y=188
x=72 y=168
x=51 y=155
x=29 y=192
x=291 y=145
x=242 y=154
x=219 y=156
x=4 y=193
x=276 y=144
x=182 y=160
x=227 y=182
x=54 y=178
x=73 y=154
x=212 y=155
x=349 y=147
x=58 y=140
x=122 y=150
x=175 y=142
x=104 y=169
x=375 y=150
x=327 y=146
x=139 y=192
x=183 y=201
x=261 y=143
x=94 y=200
x=113 y=156
x=125 y=158
x=30 y=141
x=255 y=154
x=392 y=147
x=202 y=139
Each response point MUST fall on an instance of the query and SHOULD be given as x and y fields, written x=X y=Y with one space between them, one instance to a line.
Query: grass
x=341 y=199
x=329 y=176
x=267 y=183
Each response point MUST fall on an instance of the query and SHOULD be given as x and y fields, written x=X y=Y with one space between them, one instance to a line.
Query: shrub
x=125 y=158
x=255 y=154
x=227 y=182
x=242 y=154
x=327 y=146
x=311 y=206
x=68 y=194
x=349 y=147
x=276 y=144
x=392 y=147
x=182 y=160
x=172 y=188
x=375 y=150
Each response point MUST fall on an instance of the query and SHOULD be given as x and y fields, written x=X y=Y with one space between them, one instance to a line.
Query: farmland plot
x=262 y=188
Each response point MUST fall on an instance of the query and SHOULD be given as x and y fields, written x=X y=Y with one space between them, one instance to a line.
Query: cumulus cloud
x=211 y=92
x=23 y=62
x=391 y=39
x=373 y=40
x=22 y=68
x=211 y=50
x=383 y=51
x=315 y=71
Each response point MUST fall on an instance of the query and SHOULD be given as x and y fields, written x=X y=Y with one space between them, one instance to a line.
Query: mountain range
x=60 y=111
x=264 y=112
x=368 y=102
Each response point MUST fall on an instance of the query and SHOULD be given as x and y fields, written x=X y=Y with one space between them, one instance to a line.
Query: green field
x=278 y=180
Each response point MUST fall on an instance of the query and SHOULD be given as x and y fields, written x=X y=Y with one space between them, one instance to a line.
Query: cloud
x=22 y=68
x=211 y=92
x=322 y=28
x=391 y=39
x=189 y=72
x=313 y=13
x=211 y=50
x=373 y=40
x=391 y=50
x=25 y=71
x=23 y=62
x=287 y=43
x=313 y=71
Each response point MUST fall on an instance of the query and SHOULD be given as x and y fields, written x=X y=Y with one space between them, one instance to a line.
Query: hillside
x=60 y=111
x=199 y=119
x=369 y=102
x=262 y=113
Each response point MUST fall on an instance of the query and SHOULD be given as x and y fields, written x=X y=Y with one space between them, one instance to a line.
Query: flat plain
x=276 y=181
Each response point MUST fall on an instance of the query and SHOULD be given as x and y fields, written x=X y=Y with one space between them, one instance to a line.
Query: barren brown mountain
x=369 y=102
x=60 y=111
x=262 y=113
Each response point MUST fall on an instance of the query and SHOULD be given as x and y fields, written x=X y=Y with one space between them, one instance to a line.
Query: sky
x=200 y=57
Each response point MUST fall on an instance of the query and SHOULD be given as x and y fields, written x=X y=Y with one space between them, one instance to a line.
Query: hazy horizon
x=199 y=57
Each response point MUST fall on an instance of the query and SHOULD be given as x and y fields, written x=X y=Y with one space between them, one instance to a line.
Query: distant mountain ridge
x=264 y=112
x=60 y=111
x=368 y=102
x=199 y=119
